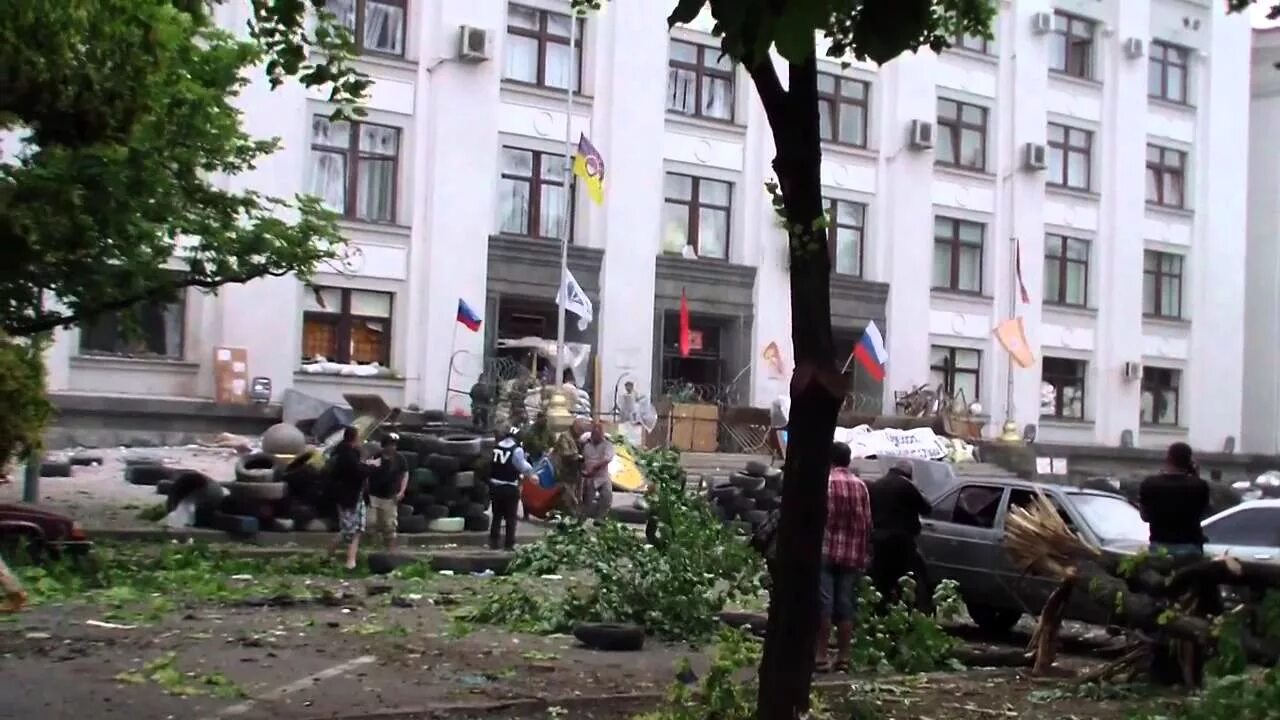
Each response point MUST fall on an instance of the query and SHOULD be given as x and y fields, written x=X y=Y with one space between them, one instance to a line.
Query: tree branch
x=53 y=321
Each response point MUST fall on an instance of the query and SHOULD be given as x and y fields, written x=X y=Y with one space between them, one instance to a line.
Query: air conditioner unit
x=921 y=134
x=1036 y=157
x=1042 y=23
x=1134 y=48
x=1131 y=371
x=473 y=44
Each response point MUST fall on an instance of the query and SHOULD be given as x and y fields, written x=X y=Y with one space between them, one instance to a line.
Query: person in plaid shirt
x=846 y=553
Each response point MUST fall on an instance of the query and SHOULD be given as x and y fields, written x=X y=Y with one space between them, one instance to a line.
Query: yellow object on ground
x=624 y=472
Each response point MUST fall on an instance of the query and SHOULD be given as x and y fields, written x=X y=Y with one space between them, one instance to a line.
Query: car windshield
x=1112 y=518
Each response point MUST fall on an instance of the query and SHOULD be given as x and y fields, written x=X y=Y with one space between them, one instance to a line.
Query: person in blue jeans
x=1173 y=502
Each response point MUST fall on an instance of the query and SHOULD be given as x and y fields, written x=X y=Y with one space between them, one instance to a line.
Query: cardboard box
x=231 y=375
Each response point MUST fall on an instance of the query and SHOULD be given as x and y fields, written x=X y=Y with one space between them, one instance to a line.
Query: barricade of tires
x=745 y=498
x=448 y=488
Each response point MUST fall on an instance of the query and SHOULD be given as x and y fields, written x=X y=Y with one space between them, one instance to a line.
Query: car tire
x=164 y=487
x=763 y=495
x=725 y=495
x=302 y=515
x=443 y=465
x=472 y=509
x=446 y=494
x=773 y=473
x=257 y=491
x=998 y=621
x=434 y=511
x=464 y=480
x=434 y=416
x=767 y=504
x=410 y=459
x=747 y=483
x=743 y=505
x=462 y=446
x=383 y=563
x=412 y=525
x=86 y=459
x=629 y=515
x=148 y=474
x=424 y=479
x=404 y=510
x=54 y=468
x=256 y=468
x=480 y=493
x=447 y=525
x=755 y=517
x=610 y=637
x=476 y=523
x=755 y=468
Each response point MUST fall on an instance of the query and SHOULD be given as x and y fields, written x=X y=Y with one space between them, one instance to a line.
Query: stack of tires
x=448 y=481
x=745 y=498
x=273 y=493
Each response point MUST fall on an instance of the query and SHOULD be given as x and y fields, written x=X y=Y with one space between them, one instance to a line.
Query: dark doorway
x=519 y=318
x=701 y=373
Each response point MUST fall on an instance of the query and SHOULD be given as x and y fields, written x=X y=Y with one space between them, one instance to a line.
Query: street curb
x=317 y=540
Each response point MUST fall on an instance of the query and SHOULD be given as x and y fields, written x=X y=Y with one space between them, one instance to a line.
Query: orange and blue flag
x=588 y=165
x=468 y=317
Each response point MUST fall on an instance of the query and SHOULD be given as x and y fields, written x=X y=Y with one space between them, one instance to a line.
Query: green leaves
x=685 y=12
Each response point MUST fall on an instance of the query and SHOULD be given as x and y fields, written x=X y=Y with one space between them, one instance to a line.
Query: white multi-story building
x=1106 y=136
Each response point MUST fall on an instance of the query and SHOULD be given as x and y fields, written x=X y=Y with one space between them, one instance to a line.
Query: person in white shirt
x=597 y=485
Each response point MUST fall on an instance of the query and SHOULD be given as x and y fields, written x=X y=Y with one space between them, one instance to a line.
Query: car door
x=1251 y=533
x=960 y=541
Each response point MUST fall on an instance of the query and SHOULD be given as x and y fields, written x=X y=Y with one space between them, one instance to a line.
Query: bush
x=22 y=395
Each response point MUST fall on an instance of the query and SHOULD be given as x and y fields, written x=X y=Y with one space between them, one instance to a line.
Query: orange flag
x=1012 y=334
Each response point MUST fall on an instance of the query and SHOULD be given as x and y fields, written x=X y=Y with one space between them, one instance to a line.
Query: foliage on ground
x=607 y=572
x=164 y=672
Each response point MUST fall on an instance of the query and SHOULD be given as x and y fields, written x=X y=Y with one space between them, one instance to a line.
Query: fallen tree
x=1173 y=610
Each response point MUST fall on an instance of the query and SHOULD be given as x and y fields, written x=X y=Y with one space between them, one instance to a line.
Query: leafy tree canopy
x=123 y=114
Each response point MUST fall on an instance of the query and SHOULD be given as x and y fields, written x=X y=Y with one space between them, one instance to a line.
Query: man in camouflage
x=568 y=459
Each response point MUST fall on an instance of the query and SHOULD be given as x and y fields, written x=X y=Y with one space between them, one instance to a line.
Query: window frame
x=1061 y=381
x=959 y=42
x=1068 y=149
x=701 y=69
x=353 y=156
x=837 y=100
x=358 y=31
x=695 y=204
x=1162 y=169
x=1165 y=61
x=955 y=243
x=832 y=206
x=1158 y=277
x=949 y=370
x=179 y=300
x=535 y=183
x=1088 y=62
x=1063 y=262
x=544 y=37
x=343 y=320
x=956 y=127
x=1148 y=384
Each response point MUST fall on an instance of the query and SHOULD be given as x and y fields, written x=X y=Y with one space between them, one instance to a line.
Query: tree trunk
x=786 y=670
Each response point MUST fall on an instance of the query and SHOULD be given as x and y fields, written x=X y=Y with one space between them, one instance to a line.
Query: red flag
x=1017 y=268
x=684 y=325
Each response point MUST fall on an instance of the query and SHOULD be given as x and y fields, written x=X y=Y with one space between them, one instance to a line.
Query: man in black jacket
x=347 y=475
x=896 y=508
x=1174 y=502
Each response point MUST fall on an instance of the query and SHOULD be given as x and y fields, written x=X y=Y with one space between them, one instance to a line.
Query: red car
x=42 y=532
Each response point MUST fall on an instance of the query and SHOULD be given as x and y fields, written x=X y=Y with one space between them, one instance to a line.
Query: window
x=1162 y=284
x=346 y=326
x=1256 y=527
x=538 y=49
x=353 y=168
x=977 y=506
x=700 y=81
x=377 y=25
x=962 y=135
x=974 y=43
x=149 y=329
x=1166 y=172
x=1066 y=270
x=696 y=214
x=845 y=235
x=842 y=109
x=1062 y=388
x=957 y=371
x=957 y=255
x=1071 y=45
x=1070 y=153
x=531 y=194
x=1019 y=498
x=1167 y=72
x=1160 y=395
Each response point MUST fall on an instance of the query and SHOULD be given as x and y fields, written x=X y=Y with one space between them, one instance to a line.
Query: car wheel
x=612 y=637
x=993 y=619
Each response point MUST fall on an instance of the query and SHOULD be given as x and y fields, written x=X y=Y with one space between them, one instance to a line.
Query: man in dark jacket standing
x=1174 y=502
x=896 y=508
x=347 y=482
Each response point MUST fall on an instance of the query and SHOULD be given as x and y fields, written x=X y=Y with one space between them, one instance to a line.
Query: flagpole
x=567 y=221
x=1013 y=312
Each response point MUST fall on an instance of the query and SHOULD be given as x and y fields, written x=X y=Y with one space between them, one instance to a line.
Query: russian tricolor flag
x=468 y=317
x=871 y=353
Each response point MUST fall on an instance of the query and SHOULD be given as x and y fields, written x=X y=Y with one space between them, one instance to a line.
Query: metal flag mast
x=566 y=221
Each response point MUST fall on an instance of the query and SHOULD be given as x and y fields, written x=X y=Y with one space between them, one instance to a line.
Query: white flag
x=575 y=300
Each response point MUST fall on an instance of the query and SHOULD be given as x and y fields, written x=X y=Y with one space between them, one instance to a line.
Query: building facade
x=1262 y=343
x=1099 y=140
